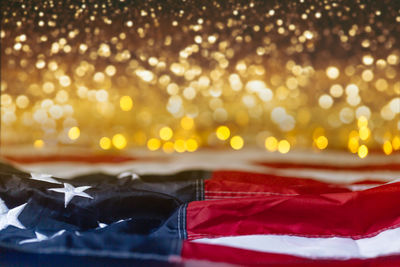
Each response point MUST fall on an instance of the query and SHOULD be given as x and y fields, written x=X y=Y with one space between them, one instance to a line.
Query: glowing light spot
x=368 y=60
x=336 y=90
x=48 y=87
x=119 y=141
x=187 y=123
x=321 y=142
x=332 y=72
x=102 y=95
x=353 y=144
x=22 y=101
x=387 y=148
x=367 y=75
x=145 y=75
x=64 y=81
x=363 y=151
x=40 y=64
x=364 y=133
x=223 y=133
x=396 y=143
x=126 y=103
x=180 y=146
x=105 y=143
x=168 y=147
x=153 y=144
x=325 y=101
x=283 y=146
x=166 y=133
x=110 y=70
x=271 y=143
x=38 y=143
x=191 y=145
x=352 y=89
x=74 y=133
x=362 y=122
x=237 y=142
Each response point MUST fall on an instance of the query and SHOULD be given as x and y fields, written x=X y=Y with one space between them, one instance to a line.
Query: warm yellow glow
x=187 y=123
x=363 y=151
x=237 y=142
x=168 y=147
x=105 y=143
x=332 y=72
x=74 y=133
x=22 y=101
x=126 y=103
x=283 y=146
x=166 y=133
x=362 y=122
x=153 y=144
x=364 y=133
x=119 y=141
x=65 y=80
x=245 y=97
x=321 y=142
x=353 y=144
x=396 y=143
x=271 y=143
x=38 y=143
x=387 y=148
x=191 y=145
x=223 y=133
x=180 y=146
x=368 y=60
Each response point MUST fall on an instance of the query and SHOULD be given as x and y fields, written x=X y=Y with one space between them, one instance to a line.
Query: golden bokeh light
x=105 y=143
x=153 y=144
x=283 y=146
x=119 y=141
x=321 y=142
x=258 y=74
x=271 y=143
x=223 y=133
x=74 y=133
x=126 y=103
x=166 y=133
x=237 y=142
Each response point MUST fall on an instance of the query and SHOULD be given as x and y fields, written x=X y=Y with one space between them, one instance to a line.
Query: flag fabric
x=202 y=217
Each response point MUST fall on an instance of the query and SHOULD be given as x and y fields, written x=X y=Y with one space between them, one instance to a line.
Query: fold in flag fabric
x=199 y=218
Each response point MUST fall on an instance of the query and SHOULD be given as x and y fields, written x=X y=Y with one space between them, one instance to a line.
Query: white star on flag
x=44 y=178
x=101 y=225
x=40 y=237
x=10 y=216
x=128 y=173
x=71 y=192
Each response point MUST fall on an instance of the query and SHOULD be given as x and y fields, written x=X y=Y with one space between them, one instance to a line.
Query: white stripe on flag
x=384 y=244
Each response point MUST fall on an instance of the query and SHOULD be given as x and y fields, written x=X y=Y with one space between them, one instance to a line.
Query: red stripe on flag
x=242 y=257
x=224 y=184
x=348 y=214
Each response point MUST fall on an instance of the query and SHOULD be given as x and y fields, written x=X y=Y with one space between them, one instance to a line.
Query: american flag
x=215 y=208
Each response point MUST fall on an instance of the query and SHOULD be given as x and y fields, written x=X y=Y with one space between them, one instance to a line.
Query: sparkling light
x=119 y=141
x=237 y=142
x=74 y=133
x=105 y=143
x=283 y=146
x=223 y=132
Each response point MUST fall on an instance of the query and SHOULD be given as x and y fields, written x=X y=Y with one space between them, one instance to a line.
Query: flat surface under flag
x=258 y=213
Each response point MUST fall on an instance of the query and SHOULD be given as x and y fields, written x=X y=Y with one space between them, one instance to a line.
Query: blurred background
x=178 y=76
